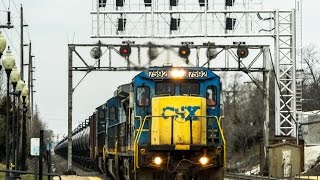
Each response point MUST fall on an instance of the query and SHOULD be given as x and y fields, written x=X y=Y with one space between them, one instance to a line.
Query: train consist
x=163 y=125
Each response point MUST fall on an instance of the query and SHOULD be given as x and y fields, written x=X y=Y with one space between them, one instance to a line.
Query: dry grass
x=25 y=177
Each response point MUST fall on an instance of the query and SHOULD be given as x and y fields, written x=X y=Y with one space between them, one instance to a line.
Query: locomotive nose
x=178 y=119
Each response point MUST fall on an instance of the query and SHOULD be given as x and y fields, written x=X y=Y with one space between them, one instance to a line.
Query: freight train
x=164 y=125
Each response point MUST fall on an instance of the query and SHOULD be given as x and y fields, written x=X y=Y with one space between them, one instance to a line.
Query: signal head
x=125 y=51
x=212 y=53
x=242 y=52
x=152 y=51
x=184 y=51
x=96 y=52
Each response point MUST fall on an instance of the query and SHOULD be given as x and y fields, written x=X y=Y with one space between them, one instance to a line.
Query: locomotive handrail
x=104 y=152
x=135 y=159
x=138 y=135
x=221 y=133
x=223 y=140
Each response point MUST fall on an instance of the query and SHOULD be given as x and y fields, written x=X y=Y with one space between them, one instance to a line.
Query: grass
x=24 y=177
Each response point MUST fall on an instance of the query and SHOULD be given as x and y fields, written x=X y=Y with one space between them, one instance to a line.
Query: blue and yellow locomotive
x=164 y=125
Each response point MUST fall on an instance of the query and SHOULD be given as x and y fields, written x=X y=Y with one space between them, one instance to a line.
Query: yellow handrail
x=104 y=152
x=223 y=140
x=136 y=140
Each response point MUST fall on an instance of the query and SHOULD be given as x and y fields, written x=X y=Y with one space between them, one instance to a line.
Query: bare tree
x=244 y=117
x=311 y=78
x=310 y=57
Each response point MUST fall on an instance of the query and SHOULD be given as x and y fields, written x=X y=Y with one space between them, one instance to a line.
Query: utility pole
x=29 y=69
x=30 y=86
x=21 y=42
x=24 y=120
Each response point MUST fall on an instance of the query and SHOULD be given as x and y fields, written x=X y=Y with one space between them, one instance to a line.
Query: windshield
x=189 y=89
x=165 y=89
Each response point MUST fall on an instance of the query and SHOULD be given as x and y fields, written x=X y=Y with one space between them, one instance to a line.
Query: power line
x=4 y=5
x=24 y=20
x=15 y=29
x=11 y=42
x=15 y=6
x=28 y=31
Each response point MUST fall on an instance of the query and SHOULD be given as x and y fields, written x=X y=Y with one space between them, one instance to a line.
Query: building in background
x=311 y=132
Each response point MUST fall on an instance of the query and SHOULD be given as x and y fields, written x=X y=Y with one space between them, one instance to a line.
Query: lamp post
x=8 y=63
x=14 y=78
x=20 y=86
x=24 y=95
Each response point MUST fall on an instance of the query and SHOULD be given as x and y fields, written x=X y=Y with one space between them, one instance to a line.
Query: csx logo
x=184 y=112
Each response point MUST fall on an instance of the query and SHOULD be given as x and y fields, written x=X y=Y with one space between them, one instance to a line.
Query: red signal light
x=184 y=51
x=125 y=51
x=242 y=52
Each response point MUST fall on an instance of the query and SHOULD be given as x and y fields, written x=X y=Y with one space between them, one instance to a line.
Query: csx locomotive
x=164 y=125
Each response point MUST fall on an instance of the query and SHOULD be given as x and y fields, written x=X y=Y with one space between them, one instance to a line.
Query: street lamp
x=20 y=86
x=14 y=78
x=24 y=95
x=3 y=44
x=8 y=63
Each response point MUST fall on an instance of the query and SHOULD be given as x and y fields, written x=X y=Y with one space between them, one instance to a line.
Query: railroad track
x=243 y=176
x=230 y=176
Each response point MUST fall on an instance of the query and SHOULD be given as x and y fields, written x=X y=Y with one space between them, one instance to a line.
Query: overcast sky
x=55 y=23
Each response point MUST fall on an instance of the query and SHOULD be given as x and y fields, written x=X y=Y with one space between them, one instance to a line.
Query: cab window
x=189 y=88
x=112 y=114
x=143 y=96
x=165 y=89
x=101 y=114
x=211 y=95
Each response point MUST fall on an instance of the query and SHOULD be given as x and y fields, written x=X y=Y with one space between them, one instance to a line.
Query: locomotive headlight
x=157 y=160
x=204 y=160
x=178 y=73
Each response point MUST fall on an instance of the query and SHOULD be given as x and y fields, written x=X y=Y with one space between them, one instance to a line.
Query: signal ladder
x=299 y=100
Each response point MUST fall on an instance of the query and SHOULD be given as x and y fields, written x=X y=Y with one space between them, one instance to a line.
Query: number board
x=158 y=73
x=165 y=74
x=198 y=74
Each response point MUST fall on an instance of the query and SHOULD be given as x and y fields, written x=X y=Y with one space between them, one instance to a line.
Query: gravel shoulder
x=61 y=165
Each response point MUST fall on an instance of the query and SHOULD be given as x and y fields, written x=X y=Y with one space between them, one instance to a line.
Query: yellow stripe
x=182 y=147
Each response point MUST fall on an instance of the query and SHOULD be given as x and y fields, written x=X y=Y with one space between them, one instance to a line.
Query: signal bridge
x=211 y=19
